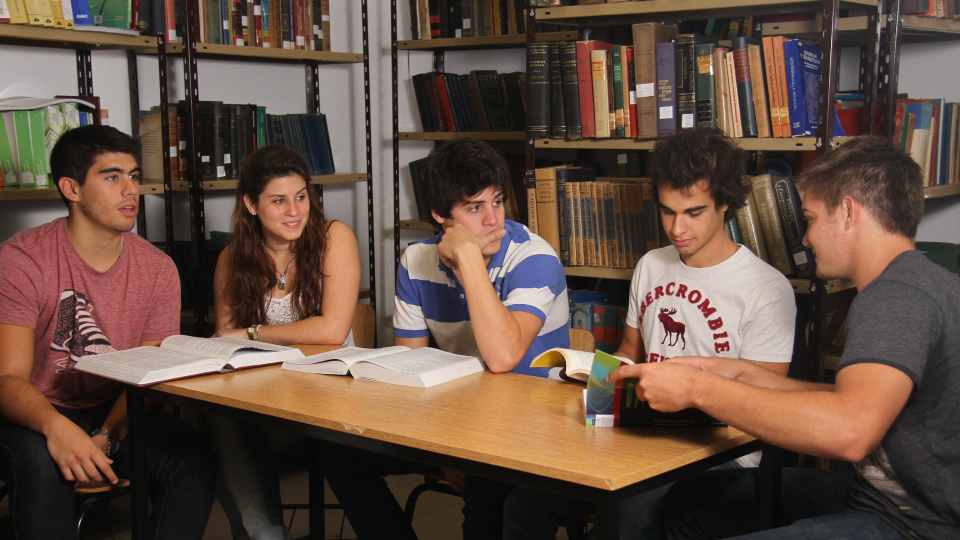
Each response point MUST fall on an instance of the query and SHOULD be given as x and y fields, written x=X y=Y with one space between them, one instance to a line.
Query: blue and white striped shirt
x=526 y=274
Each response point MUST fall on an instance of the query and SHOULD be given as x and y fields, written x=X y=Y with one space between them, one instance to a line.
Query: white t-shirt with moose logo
x=740 y=308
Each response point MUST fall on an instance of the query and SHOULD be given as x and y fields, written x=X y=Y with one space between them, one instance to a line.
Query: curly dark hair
x=252 y=274
x=683 y=160
x=78 y=149
x=881 y=177
x=460 y=169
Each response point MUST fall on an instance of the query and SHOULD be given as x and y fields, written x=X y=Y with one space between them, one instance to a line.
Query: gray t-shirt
x=909 y=318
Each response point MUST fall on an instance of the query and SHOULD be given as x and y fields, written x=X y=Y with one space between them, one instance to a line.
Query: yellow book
x=46 y=13
x=56 y=10
x=18 y=12
x=601 y=106
x=34 y=13
x=547 y=213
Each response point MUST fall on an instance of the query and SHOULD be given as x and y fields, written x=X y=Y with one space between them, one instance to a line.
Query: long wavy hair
x=252 y=274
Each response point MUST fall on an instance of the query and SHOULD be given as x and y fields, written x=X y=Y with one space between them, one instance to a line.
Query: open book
x=423 y=367
x=184 y=356
x=576 y=364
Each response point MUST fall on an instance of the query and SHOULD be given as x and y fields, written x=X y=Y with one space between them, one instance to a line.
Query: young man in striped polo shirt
x=484 y=287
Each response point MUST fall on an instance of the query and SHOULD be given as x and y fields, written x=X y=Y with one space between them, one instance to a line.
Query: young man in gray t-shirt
x=892 y=409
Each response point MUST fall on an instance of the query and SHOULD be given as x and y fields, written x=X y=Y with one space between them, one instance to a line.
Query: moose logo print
x=672 y=329
x=77 y=333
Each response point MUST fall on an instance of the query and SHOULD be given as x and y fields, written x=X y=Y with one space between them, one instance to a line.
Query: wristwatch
x=250 y=332
x=112 y=443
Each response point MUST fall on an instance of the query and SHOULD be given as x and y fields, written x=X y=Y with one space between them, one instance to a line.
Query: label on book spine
x=647 y=89
x=666 y=113
x=686 y=121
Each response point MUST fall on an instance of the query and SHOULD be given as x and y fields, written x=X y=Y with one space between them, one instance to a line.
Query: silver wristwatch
x=112 y=443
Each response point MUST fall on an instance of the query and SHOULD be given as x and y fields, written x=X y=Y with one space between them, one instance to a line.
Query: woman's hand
x=239 y=333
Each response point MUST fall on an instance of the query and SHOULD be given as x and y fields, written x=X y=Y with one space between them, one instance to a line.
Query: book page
x=418 y=361
x=211 y=347
x=133 y=365
x=348 y=355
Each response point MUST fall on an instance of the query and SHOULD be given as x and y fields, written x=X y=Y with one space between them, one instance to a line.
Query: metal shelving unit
x=196 y=186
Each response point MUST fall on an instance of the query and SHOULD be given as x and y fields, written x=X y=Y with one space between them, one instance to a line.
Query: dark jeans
x=723 y=504
x=181 y=474
x=356 y=478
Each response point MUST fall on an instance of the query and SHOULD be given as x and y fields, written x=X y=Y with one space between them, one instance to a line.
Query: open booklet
x=178 y=357
x=423 y=367
x=576 y=364
x=607 y=404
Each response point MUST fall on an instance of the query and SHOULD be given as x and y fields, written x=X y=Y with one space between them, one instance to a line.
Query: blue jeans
x=724 y=504
x=530 y=514
x=180 y=475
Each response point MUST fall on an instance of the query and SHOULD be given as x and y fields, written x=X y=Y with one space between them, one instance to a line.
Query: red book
x=444 y=102
x=632 y=74
x=585 y=83
x=599 y=330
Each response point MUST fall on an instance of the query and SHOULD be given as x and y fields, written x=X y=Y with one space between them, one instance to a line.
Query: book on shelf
x=751 y=232
x=585 y=85
x=422 y=368
x=616 y=58
x=745 y=86
x=645 y=38
x=666 y=89
x=706 y=91
x=599 y=62
x=558 y=123
x=721 y=90
x=571 y=89
x=766 y=200
x=786 y=129
x=735 y=119
x=773 y=94
x=548 y=226
x=538 y=90
x=794 y=226
x=179 y=357
x=631 y=89
x=688 y=76
x=802 y=63
x=616 y=404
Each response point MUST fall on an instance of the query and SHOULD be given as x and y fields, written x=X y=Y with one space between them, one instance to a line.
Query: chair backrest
x=364 y=326
x=581 y=340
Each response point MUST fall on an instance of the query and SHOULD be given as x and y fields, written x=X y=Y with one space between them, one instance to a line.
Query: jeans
x=356 y=478
x=530 y=514
x=181 y=473
x=249 y=477
x=723 y=504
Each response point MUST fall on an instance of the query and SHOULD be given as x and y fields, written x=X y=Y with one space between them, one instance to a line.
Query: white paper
x=205 y=159
x=686 y=120
x=226 y=159
x=173 y=151
x=666 y=113
x=646 y=90
x=621 y=159
x=800 y=258
x=221 y=171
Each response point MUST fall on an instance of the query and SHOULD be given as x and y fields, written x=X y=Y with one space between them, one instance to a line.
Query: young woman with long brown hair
x=288 y=276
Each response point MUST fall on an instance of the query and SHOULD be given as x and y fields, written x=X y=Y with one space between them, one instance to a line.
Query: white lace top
x=280 y=311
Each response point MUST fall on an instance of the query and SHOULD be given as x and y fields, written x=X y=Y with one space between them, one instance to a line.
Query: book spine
x=632 y=92
x=570 y=202
x=585 y=87
x=558 y=124
x=720 y=89
x=616 y=57
x=795 y=98
x=810 y=67
x=734 y=96
x=445 y=103
x=645 y=38
x=563 y=216
x=596 y=225
x=547 y=212
x=759 y=93
x=466 y=14
x=598 y=66
x=706 y=88
x=666 y=90
x=772 y=94
x=538 y=90
x=686 y=81
x=794 y=228
x=748 y=117
x=781 y=76
x=650 y=228
x=748 y=221
x=571 y=89
x=770 y=222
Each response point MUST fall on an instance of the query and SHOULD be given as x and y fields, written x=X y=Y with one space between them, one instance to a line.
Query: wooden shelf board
x=620 y=13
x=233 y=52
x=913 y=29
x=941 y=191
x=802 y=286
x=418 y=225
x=447 y=135
x=156 y=188
x=600 y=273
x=795 y=144
x=26 y=194
x=481 y=42
x=38 y=36
x=630 y=179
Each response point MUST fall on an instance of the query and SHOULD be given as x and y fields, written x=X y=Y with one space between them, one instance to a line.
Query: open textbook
x=607 y=404
x=423 y=367
x=184 y=356
x=576 y=364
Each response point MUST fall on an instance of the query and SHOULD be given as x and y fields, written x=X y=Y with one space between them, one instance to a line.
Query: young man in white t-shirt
x=703 y=295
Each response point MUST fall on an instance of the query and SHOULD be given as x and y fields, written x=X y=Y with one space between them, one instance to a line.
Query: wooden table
x=516 y=428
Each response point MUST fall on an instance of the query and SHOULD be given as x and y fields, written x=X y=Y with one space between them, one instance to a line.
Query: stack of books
x=483 y=100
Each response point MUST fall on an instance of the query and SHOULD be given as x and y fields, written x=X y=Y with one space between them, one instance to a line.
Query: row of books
x=484 y=100
x=434 y=19
x=940 y=9
x=592 y=311
x=27 y=136
x=287 y=24
x=590 y=222
x=228 y=134
x=929 y=130
x=668 y=81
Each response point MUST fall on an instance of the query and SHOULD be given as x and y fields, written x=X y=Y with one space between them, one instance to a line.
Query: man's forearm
x=496 y=331
x=23 y=405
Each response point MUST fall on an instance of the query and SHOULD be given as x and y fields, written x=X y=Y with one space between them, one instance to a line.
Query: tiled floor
x=437 y=517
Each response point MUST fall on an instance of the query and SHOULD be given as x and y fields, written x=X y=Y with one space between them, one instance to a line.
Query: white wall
x=280 y=88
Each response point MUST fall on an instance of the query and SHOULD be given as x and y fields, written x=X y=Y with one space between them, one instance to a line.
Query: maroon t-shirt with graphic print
x=77 y=311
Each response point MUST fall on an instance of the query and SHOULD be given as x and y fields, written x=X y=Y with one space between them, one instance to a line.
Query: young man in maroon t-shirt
x=78 y=286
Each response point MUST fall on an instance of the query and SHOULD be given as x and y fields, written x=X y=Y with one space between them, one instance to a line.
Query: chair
x=580 y=340
x=87 y=495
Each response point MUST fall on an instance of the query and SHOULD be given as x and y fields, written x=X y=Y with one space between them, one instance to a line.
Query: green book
x=706 y=89
x=110 y=13
x=39 y=148
x=261 y=127
x=54 y=125
x=618 y=90
x=7 y=169
x=24 y=148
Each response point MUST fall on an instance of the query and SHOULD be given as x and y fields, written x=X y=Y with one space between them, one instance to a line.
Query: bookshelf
x=196 y=186
x=481 y=42
x=795 y=144
x=450 y=135
x=38 y=36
